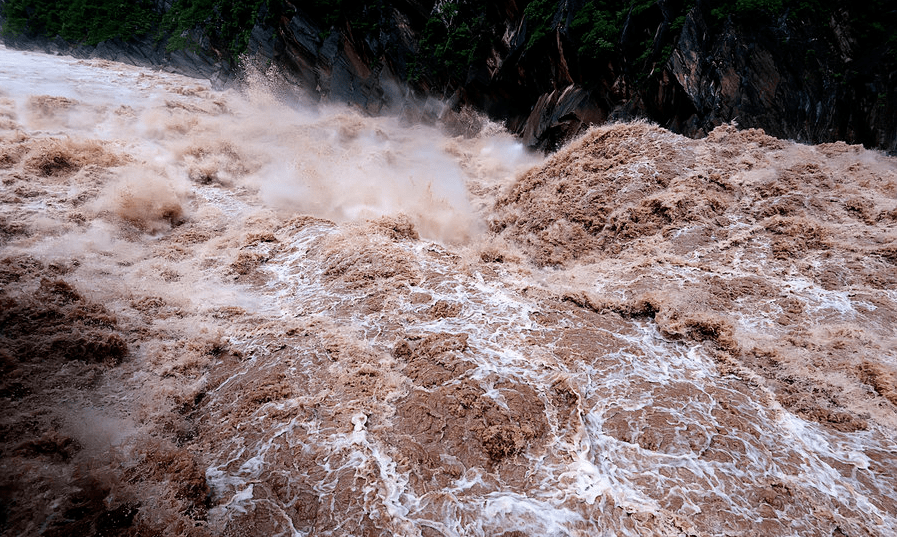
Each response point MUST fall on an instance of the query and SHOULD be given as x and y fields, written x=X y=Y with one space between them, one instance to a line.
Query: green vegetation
x=539 y=15
x=225 y=22
x=80 y=21
x=455 y=37
x=597 y=28
x=458 y=34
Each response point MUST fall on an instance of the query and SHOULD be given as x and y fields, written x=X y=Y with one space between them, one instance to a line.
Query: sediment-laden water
x=234 y=313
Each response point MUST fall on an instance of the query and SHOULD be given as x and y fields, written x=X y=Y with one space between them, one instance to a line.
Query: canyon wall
x=548 y=69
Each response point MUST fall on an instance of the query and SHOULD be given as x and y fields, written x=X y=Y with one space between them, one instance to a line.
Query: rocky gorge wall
x=548 y=69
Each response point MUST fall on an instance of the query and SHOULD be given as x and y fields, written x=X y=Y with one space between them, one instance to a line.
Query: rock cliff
x=813 y=71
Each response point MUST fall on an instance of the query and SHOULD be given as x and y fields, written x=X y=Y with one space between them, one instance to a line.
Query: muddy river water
x=235 y=313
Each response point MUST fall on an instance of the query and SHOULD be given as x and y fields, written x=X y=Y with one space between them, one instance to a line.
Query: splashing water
x=227 y=314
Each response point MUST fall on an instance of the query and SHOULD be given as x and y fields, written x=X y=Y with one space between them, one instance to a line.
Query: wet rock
x=687 y=70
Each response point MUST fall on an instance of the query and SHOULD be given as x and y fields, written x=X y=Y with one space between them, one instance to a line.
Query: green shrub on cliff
x=455 y=37
x=539 y=15
x=597 y=28
x=226 y=23
x=80 y=21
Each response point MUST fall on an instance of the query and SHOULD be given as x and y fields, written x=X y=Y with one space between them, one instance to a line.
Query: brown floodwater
x=238 y=313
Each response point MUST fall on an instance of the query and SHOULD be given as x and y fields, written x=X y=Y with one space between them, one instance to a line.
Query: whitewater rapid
x=237 y=312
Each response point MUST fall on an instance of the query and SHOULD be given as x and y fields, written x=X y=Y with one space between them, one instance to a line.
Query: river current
x=240 y=313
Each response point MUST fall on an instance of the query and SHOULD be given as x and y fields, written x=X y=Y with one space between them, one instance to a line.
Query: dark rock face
x=771 y=80
x=334 y=68
x=764 y=77
x=812 y=81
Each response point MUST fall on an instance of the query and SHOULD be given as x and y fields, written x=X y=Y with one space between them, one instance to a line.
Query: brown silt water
x=237 y=313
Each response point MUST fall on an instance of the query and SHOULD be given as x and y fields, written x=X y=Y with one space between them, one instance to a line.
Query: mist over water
x=230 y=313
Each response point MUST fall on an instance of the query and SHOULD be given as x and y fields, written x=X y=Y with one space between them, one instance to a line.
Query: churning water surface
x=235 y=313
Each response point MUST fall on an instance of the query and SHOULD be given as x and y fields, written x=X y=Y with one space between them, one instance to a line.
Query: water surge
x=230 y=313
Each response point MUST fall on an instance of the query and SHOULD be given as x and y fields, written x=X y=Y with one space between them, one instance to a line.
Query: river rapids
x=237 y=313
